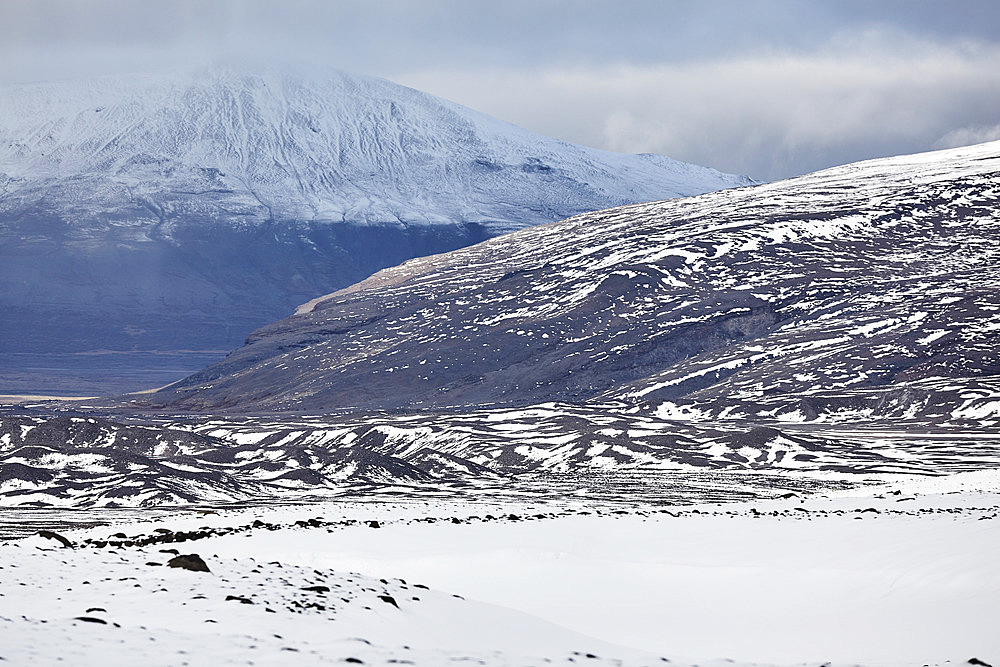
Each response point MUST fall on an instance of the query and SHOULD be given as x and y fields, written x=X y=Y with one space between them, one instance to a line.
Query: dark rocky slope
x=865 y=289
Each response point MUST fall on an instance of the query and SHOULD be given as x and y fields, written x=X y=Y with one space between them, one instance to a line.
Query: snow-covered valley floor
x=905 y=575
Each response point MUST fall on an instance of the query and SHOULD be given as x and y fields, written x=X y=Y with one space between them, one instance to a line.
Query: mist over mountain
x=179 y=212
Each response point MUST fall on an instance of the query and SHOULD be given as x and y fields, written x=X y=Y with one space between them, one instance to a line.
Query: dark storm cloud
x=766 y=88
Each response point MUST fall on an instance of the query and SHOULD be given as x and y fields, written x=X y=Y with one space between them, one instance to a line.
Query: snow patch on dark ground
x=550 y=451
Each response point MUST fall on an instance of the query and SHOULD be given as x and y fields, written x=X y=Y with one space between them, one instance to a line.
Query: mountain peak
x=179 y=211
x=318 y=144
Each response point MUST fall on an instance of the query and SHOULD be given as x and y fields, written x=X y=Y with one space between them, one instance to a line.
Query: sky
x=768 y=88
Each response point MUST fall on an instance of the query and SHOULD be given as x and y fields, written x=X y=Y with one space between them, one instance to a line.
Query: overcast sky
x=766 y=88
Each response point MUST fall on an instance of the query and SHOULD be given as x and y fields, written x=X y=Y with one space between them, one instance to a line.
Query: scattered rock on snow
x=191 y=562
x=239 y=598
x=48 y=534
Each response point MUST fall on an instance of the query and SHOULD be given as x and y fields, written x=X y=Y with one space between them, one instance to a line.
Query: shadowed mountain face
x=177 y=213
x=866 y=291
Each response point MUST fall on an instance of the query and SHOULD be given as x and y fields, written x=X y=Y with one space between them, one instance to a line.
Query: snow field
x=888 y=579
x=854 y=587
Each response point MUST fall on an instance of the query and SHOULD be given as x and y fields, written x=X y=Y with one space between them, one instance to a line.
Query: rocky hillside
x=865 y=290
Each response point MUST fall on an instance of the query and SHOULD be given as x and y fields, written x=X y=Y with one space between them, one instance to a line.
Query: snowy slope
x=302 y=146
x=180 y=212
x=606 y=452
x=863 y=292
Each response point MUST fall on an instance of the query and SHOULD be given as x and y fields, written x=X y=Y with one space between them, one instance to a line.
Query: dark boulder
x=48 y=534
x=191 y=562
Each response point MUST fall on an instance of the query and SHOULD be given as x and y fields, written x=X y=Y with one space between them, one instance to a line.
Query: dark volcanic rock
x=191 y=562
x=239 y=598
x=317 y=589
x=48 y=534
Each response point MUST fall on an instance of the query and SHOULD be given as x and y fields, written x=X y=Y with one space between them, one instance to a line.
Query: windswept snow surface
x=889 y=579
x=179 y=212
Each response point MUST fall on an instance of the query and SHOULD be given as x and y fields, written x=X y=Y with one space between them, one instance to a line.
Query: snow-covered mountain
x=324 y=146
x=818 y=333
x=869 y=291
x=179 y=212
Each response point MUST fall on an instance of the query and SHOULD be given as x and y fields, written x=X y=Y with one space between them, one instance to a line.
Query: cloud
x=766 y=87
x=965 y=136
x=770 y=116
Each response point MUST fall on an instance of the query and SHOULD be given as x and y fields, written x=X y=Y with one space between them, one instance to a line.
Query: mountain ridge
x=158 y=213
x=692 y=298
x=298 y=145
x=821 y=334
